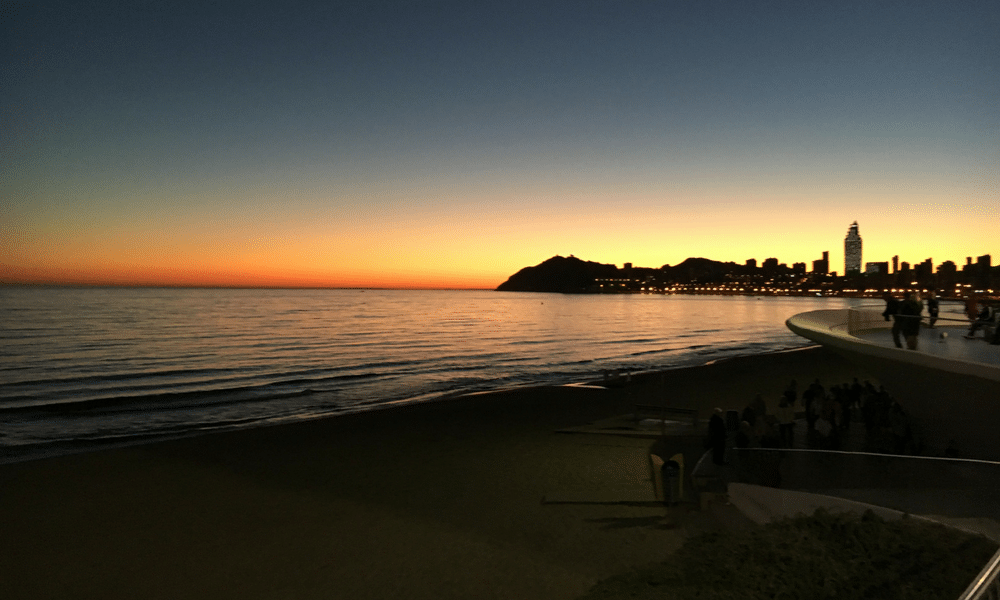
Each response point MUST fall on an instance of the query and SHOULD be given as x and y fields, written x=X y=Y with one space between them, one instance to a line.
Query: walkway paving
x=946 y=342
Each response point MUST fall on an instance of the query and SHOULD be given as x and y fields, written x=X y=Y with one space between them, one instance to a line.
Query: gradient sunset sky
x=449 y=144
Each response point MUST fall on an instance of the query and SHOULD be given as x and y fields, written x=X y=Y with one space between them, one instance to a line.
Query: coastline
x=436 y=499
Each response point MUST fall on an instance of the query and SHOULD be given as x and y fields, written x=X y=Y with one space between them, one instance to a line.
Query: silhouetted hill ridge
x=558 y=274
x=701 y=269
x=571 y=275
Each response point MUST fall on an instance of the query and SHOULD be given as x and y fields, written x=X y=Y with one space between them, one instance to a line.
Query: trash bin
x=671 y=482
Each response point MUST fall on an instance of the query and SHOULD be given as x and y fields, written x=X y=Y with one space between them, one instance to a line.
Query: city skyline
x=448 y=144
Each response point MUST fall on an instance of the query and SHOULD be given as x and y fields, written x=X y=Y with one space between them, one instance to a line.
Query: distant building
x=895 y=264
x=822 y=266
x=752 y=263
x=924 y=271
x=799 y=268
x=877 y=268
x=852 y=250
x=947 y=274
x=984 y=265
x=947 y=268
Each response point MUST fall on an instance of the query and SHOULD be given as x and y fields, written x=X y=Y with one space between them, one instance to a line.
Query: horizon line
x=63 y=284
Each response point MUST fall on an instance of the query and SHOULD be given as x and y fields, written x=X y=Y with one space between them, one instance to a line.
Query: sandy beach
x=440 y=500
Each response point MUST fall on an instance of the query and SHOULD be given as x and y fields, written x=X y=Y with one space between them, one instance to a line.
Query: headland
x=702 y=276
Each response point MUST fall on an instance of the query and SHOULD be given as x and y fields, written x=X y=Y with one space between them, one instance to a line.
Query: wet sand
x=441 y=500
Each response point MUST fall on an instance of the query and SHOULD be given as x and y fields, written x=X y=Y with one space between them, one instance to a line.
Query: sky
x=450 y=144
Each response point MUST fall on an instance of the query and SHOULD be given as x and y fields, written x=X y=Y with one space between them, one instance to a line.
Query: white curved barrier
x=952 y=394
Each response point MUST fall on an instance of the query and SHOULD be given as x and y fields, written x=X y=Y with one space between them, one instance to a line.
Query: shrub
x=826 y=555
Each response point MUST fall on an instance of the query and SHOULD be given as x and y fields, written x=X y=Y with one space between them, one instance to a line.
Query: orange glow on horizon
x=477 y=243
x=183 y=278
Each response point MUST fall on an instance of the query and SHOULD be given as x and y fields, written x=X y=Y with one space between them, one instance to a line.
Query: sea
x=86 y=368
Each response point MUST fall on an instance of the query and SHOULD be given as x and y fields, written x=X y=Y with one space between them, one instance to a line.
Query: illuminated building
x=852 y=250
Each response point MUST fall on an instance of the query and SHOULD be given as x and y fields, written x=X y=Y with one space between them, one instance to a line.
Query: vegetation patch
x=826 y=555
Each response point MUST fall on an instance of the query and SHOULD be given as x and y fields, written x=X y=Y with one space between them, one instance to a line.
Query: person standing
x=786 y=422
x=717 y=437
x=812 y=399
x=972 y=307
x=856 y=393
x=909 y=312
x=792 y=392
x=891 y=312
x=933 y=307
x=759 y=408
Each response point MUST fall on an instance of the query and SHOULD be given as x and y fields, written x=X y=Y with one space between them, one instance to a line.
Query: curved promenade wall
x=950 y=402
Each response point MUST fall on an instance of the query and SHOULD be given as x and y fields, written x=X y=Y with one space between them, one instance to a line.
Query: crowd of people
x=906 y=316
x=829 y=415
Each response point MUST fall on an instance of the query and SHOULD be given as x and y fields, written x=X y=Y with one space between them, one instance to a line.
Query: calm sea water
x=86 y=367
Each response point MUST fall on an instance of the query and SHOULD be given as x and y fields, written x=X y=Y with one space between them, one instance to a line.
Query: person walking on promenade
x=855 y=395
x=792 y=392
x=812 y=399
x=786 y=422
x=717 y=437
x=933 y=307
x=972 y=307
x=891 y=312
x=909 y=312
x=759 y=408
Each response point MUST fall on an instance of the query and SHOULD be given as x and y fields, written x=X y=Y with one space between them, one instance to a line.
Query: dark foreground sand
x=436 y=501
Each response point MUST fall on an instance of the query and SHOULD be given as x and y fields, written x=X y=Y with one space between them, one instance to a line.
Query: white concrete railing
x=854 y=320
x=986 y=585
x=863 y=319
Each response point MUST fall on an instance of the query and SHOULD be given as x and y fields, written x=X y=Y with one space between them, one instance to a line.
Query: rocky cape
x=570 y=275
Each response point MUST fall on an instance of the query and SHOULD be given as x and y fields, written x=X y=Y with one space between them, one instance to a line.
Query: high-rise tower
x=852 y=250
